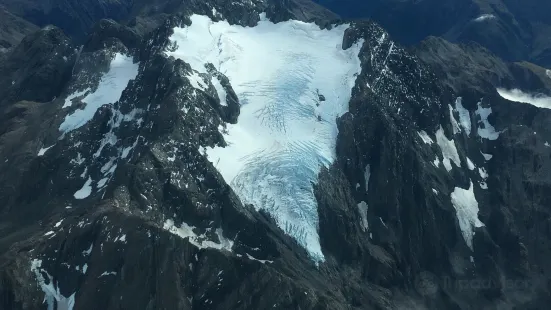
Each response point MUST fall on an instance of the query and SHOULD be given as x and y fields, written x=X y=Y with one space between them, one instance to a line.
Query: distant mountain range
x=514 y=30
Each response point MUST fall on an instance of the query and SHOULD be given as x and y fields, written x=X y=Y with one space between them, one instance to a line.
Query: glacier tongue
x=293 y=80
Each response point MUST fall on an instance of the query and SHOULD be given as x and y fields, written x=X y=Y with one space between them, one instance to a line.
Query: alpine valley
x=269 y=154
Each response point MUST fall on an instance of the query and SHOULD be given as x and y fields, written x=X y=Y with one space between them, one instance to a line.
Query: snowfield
x=286 y=132
x=110 y=88
x=466 y=208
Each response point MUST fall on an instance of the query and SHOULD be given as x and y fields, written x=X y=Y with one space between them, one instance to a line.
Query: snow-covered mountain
x=261 y=155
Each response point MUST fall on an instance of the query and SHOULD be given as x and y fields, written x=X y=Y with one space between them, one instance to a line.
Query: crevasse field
x=285 y=133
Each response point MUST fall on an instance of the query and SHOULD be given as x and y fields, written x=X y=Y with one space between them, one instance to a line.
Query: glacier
x=293 y=81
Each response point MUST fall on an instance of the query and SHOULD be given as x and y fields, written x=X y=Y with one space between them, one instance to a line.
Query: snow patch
x=126 y=151
x=425 y=137
x=120 y=238
x=517 y=95
x=110 y=273
x=470 y=164
x=464 y=116
x=89 y=251
x=483 y=174
x=102 y=182
x=488 y=131
x=185 y=231
x=367 y=176
x=455 y=125
x=484 y=17
x=449 y=151
x=548 y=73
x=362 y=208
x=282 y=138
x=220 y=90
x=43 y=151
x=466 y=207
x=85 y=191
x=258 y=260
x=52 y=295
x=487 y=156
x=109 y=90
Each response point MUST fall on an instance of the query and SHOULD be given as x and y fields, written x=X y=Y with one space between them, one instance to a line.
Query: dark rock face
x=159 y=228
x=514 y=192
x=38 y=68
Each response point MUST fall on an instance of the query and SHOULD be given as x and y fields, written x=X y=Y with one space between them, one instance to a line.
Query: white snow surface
x=548 y=73
x=487 y=156
x=466 y=207
x=517 y=95
x=425 y=137
x=220 y=90
x=487 y=131
x=464 y=116
x=85 y=191
x=455 y=125
x=106 y=273
x=278 y=146
x=484 y=17
x=470 y=164
x=200 y=241
x=109 y=90
x=449 y=151
x=43 y=150
x=483 y=174
x=263 y=261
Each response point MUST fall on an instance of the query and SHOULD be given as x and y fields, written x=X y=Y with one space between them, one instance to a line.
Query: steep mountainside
x=514 y=30
x=232 y=155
